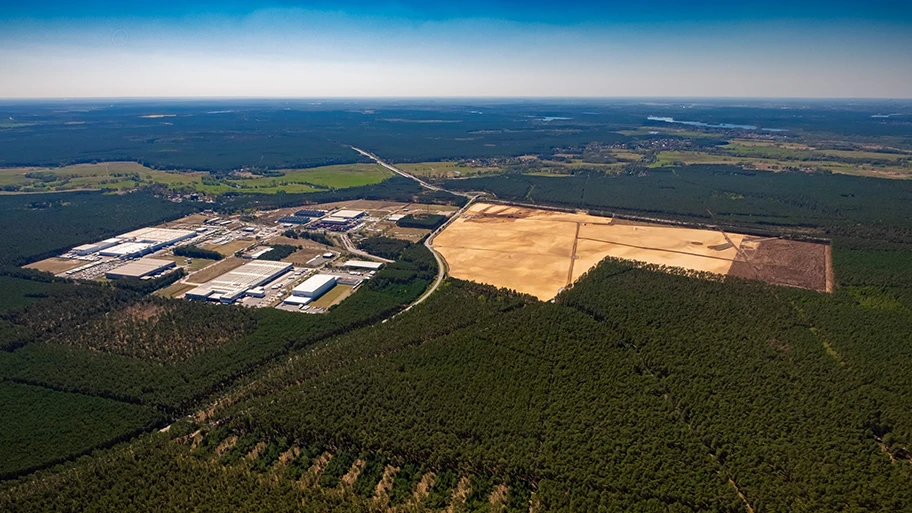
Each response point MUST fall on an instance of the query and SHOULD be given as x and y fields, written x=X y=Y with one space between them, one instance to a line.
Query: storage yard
x=540 y=252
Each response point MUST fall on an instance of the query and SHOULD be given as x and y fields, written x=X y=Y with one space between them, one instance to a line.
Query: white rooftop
x=158 y=235
x=362 y=264
x=348 y=214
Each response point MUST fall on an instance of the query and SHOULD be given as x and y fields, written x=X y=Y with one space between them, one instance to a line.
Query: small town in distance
x=302 y=259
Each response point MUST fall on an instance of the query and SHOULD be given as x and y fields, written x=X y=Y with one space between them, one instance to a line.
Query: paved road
x=428 y=242
x=398 y=171
x=350 y=247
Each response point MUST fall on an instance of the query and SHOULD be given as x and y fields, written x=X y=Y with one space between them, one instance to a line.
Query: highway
x=428 y=241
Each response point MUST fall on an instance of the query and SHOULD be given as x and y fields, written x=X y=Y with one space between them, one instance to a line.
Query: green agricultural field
x=444 y=169
x=310 y=180
x=130 y=175
x=671 y=158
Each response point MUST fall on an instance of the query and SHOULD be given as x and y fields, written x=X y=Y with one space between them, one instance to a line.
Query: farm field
x=446 y=169
x=310 y=180
x=773 y=158
x=130 y=175
x=539 y=252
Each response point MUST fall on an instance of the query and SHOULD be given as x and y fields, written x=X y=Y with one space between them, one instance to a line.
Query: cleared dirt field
x=540 y=252
x=56 y=265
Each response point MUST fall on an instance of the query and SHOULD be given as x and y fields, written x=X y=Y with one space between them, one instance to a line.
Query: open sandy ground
x=539 y=252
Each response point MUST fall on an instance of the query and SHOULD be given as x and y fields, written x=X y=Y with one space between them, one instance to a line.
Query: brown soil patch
x=499 y=496
x=460 y=494
x=381 y=493
x=783 y=262
x=192 y=219
x=225 y=446
x=232 y=247
x=252 y=455
x=424 y=486
x=289 y=455
x=313 y=473
x=55 y=265
x=352 y=475
x=215 y=270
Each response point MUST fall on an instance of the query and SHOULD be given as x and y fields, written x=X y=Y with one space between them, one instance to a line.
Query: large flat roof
x=313 y=284
x=158 y=235
x=348 y=214
x=363 y=264
x=236 y=282
x=126 y=248
x=140 y=268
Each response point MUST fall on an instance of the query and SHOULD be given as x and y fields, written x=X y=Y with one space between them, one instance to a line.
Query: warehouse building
x=348 y=214
x=140 y=268
x=144 y=241
x=296 y=300
x=363 y=264
x=295 y=219
x=310 y=213
x=88 y=249
x=234 y=284
x=315 y=286
x=127 y=250
x=335 y=220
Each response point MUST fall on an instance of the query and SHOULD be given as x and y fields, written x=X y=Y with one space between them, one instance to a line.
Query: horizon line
x=480 y=97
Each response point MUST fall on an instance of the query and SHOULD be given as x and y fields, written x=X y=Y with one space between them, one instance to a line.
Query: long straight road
x=400 y=172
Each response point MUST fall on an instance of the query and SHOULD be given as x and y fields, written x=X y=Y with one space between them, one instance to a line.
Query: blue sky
x=465 y=48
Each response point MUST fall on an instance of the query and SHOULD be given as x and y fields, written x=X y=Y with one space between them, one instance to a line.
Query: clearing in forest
x=539 y=252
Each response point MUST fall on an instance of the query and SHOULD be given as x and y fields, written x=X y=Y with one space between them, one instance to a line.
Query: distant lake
x=707 y=125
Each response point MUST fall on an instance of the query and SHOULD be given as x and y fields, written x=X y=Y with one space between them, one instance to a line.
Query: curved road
x=441 y=263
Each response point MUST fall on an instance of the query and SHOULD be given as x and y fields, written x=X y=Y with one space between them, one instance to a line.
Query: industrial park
x=291 y=259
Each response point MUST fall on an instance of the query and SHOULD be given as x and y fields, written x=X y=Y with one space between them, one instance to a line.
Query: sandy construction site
x=539 y=252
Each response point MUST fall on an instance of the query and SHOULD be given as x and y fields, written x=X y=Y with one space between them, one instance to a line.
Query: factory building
x=296 y=300
x=315 y=286
x=310 y=213
x=136 y=243
x=335 y=220
x=348 y=214
x=140 y=268
x=234 y=284
x=88 y=249
x=363 y=264
x=127 y=250
x=295 y=219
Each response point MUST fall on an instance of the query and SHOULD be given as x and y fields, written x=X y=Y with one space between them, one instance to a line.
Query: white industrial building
x=363 y=264
x=315 y=286
x=135 y=243
x=348 y=214
x=335 y=220
x=297 y=300
x=140 y=268
x=232 y=285
x=257 y=292
x=127 y=250
x=88 y=249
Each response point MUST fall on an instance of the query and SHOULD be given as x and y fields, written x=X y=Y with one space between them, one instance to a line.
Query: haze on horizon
x=505 y=48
